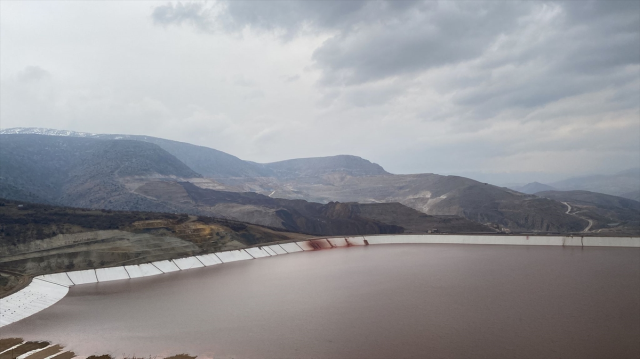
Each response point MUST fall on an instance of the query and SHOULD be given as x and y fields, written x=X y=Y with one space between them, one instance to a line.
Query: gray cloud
x=418 y=86
x=192 y=13
x=580 y=46
x=33 y=74
x=415 y=41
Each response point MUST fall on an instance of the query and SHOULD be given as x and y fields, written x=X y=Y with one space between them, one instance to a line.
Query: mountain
x=533 y=187
x=203 y=160
x=94 y=172
x=429 y=193
x=320 y=166
x=625 y=184
x=606 y=213
x=306 y=217
x=81 y=175
x=83 y=172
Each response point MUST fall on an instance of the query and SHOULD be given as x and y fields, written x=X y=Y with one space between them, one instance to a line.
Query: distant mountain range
x=151 y=174
x=623 y=184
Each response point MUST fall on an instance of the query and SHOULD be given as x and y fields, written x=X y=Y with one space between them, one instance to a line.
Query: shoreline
x=46 y=290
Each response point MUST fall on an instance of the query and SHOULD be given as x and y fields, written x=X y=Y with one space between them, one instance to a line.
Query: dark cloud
x=550 y=50
x=290 y=16
x=193 y=13
x=587 y=47
x=424 y=38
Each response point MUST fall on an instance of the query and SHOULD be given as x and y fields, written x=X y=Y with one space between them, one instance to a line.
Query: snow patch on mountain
x=44 y=131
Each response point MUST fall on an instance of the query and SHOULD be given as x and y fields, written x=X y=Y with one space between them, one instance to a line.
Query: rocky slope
x=115 y=172
x=39 y=239
x=307 y=217
x=83 y=172
x=608 y=214
x=431 y=194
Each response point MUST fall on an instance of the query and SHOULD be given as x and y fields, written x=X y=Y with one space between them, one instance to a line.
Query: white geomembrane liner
x=257 y=252
x=306 y=246
x=46 y=290
x=277 y=249
x=322 y=243
x=109 y=274
x=166 y=266
x=572 y=241
x=270 y=251
x=355 y=241
x=188 y=263
x=83 y=276
x=58 y=278
x=233 y=256
x=209 y=259
x=337 y=242
x=37 y=296
x=611 y=242
x=142 y=270
x=467 y=239
x=291 y=247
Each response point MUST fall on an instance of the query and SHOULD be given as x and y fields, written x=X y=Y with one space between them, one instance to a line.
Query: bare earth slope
x=608 y=214
x=39 y=239
x=111 y=171
x=307 y=217
x=429 y=193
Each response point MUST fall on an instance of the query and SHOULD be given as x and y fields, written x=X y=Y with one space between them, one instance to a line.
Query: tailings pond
x=380 y=301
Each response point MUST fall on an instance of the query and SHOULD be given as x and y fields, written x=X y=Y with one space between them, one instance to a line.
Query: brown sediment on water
x=44 y=353
x=8 y=343
x=105 y=356
x=24 y=348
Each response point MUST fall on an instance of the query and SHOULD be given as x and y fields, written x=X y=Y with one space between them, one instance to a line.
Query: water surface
x=383 y=301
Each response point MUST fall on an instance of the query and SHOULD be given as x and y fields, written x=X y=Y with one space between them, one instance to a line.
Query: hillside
x=83 y=172
x=203 y=160
x=624 y=184
x=431 y=194
x=608 y=214
x=533 y=187
x=116 y=172
x=37 y=239
x=320 y=166
x=307 y=217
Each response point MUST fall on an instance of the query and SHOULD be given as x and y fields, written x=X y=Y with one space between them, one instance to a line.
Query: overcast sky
x=499 y=91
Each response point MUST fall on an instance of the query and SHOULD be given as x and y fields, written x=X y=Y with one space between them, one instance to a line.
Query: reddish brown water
x=384 y=301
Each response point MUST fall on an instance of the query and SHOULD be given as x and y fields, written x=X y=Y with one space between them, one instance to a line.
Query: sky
x=501 y=91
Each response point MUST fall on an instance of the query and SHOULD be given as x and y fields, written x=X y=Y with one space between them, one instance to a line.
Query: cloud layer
x=480 y=88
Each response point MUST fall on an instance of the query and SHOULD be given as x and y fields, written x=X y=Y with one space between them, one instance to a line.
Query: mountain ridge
x=342 y=179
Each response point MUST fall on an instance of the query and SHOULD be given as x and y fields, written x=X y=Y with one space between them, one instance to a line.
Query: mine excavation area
x=41 y=239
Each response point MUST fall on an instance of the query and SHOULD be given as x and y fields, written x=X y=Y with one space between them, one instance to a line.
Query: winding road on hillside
x=573 y=214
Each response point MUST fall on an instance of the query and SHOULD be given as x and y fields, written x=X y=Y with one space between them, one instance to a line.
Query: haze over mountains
x=624 y=184
x=145 y=173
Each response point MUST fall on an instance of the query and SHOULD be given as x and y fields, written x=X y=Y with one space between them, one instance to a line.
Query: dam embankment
x=46 y=290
